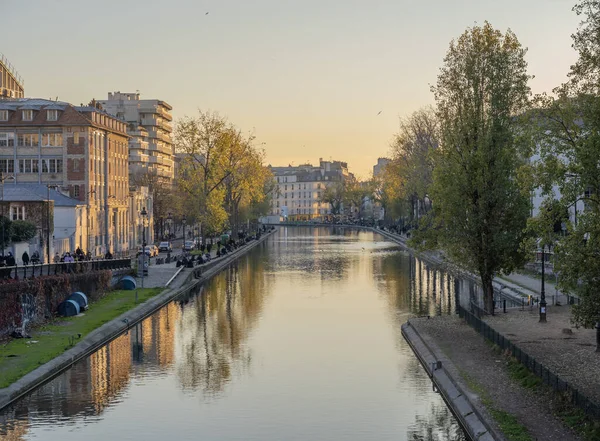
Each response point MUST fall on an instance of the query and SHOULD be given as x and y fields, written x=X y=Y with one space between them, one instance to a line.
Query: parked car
x=150 y=251
x=189 y=245
x=165 y=246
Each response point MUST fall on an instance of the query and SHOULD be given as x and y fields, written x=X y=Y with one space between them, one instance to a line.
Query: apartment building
x=11 y=83
x=380 y=166
x=81 y=151
x=298 y=190
x=149 y=127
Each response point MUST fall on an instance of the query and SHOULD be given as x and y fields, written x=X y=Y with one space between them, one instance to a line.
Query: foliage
x=406 y=180
x=568 y=172
x=23 y=231
x=222 y=172
x=334 y=196
x=4 y=241
x=479 y=212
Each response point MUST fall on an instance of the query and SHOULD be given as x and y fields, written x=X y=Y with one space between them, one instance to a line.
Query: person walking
x=25 y=258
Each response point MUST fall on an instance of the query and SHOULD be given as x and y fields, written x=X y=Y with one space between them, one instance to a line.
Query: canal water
x=299 y=340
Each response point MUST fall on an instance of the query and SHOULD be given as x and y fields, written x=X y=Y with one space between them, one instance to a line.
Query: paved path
x=483 y=374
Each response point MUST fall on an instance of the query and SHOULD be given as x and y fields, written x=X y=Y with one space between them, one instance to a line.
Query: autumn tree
x=207 y=142
x=568 y=172
x=479 y=212
x=410 y=173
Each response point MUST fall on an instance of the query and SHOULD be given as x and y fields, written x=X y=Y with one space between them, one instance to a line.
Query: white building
x=149 y=126
x=380 y=166
x=298 y=190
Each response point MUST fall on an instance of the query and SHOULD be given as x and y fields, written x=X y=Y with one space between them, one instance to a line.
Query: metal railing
x=11 y=69
x=30 y=271
x=547 y=376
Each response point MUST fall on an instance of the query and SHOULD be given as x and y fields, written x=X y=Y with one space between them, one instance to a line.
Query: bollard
x=504 y=305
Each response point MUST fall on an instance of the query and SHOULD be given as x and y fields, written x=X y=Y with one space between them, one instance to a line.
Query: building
x=79 y=150
x=380 y=166
x=54 y=214
x=149 y=127
x=11 y=83
x=298 y=190
x=140 y=198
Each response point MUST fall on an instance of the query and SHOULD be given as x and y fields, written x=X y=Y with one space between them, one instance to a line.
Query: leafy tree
x=334 y=196
x=410 y=172
x=479 y=212
x=22 y=231
x=5 y=241
x=568 y=168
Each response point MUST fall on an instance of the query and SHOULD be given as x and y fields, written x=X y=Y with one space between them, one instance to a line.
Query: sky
x=308 y=78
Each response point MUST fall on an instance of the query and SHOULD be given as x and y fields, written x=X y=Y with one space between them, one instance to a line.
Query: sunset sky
x=307 y=77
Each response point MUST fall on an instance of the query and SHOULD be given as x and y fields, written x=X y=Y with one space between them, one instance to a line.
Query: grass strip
x=21 y=356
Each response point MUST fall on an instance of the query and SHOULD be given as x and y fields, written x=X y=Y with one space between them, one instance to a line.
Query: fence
x=547 y=376
x=29 y=271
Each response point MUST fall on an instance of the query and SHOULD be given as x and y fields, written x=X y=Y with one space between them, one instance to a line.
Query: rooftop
x=37 y=193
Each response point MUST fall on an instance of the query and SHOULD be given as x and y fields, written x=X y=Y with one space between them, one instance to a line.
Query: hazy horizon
x=308 y=79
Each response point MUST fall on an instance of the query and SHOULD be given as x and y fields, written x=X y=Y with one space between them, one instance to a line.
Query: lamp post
x=543 y=290
x=183 y=221
x=87 y=233
x=2 y=179
x=169 y=223
x=144 y=214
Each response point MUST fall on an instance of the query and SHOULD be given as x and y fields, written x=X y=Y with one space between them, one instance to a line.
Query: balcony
x=164 y=113
x=149 y=121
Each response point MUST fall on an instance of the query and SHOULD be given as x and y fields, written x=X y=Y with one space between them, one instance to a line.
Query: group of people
x=78 y=256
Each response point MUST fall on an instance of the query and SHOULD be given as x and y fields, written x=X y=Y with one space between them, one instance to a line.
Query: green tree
x=5 y=241
x=479 y=212
x=569 y=148
x=22 y=231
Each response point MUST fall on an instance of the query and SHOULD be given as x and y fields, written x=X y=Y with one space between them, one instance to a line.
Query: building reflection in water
x=202 y=340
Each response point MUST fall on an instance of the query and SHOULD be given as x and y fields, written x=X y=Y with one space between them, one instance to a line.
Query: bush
x=22 y=231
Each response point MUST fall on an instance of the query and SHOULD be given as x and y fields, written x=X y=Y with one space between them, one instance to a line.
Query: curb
x=111 y=330
x=474 y=425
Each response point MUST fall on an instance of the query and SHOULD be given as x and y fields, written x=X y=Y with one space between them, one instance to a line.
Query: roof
x=37 y=193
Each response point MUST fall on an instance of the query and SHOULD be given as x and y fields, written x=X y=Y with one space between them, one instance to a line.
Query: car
x=150 y=251
x=165 y=246
x=189 y=245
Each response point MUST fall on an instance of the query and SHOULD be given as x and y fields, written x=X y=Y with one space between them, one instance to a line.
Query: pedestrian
x=25 y=258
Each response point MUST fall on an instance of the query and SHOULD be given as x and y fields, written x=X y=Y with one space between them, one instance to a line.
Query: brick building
x=79 y=150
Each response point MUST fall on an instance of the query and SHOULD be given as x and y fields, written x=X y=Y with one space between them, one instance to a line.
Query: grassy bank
x=21 y=356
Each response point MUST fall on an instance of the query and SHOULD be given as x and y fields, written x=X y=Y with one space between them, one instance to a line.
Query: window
x=75 y=137
x=76 y=190
x=28 y=140
x=7 y=139
x=52 y=115
x=292 y=188
x=17 y=212
x=286 y=187
x=52 y=165
x=3 y=115
x=25 y=165
x=7 y=165
x=27 y=115
x=76 y=165
x=52 y=140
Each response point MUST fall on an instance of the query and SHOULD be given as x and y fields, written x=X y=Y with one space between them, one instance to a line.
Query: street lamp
x=2 y=179
x=543 y=290
x=183 y=221
x=87 y=233
x=169 y=223
x=144 y=214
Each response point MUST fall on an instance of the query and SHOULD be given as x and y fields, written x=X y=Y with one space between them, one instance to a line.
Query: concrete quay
x=184 y=282
x=466 y=412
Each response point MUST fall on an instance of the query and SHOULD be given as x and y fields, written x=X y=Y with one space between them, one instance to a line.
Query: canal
x=299 y=340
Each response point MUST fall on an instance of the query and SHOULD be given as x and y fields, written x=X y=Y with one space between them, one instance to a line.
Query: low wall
x=28 y=302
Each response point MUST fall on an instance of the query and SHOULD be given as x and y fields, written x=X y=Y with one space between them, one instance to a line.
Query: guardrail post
x=504 y=305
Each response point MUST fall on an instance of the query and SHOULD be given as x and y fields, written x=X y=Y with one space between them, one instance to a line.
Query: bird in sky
x=206 y=13
x=380 y=112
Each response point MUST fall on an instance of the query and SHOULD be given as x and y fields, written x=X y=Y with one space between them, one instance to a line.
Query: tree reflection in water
x=438 y=425
x=214 y=326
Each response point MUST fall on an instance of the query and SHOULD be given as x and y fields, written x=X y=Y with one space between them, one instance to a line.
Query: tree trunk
x=488 y=293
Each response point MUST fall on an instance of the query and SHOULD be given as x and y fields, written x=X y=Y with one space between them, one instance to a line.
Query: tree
x=212 y=152
x=568 y=169
x=7 y=223
x=410 y=171
x=22 y=231
x=479 y=212
x=334 y=196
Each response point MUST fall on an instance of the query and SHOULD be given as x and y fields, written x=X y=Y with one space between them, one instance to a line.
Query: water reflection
x=298 y=340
